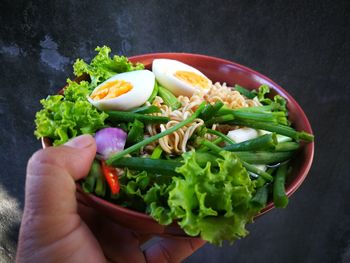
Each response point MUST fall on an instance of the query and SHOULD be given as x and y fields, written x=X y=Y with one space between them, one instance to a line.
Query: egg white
x=143 y=83
x=164 y=70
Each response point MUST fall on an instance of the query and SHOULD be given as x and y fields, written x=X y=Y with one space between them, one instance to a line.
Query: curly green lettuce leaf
x=262 y=95
x=212 y=203
x=77 y=91
x=61 y=120
x=103 y=66
x=157 y=203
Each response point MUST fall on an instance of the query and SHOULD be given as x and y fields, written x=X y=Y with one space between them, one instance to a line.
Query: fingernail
x=80 y=142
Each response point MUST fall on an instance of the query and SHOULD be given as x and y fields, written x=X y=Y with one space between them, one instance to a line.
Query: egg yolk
x=111 y=89
x=192 y=78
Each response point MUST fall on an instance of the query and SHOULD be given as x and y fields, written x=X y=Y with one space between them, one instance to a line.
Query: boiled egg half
x=123 y=91
x=178 y=77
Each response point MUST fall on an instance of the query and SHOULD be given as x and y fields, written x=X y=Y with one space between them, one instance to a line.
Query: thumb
x=51 y=176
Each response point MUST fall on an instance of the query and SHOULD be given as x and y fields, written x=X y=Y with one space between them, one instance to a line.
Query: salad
x=175 y=145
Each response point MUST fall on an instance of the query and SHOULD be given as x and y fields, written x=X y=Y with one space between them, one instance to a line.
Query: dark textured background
x=302 y=45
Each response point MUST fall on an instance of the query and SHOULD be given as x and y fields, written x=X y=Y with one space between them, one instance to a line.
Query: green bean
x=146 y=109
x=264 y=142
x=154 y=92
x=280 y=198
x=220 y=119
x=100 y=188
x=264 y=157
x=136 y=133
x=260 y=181
x=125 y=116
x=90 y=181
x=260 y=109
x=157 y=152
x=263 y=116
x=216 y=149
x=203 y=148
x=210 y=110
x=157 y=136
x=259 y=200
x=287 y=146
x=169 y=98
x=253 y=169
x=147 y=164
x=277 y=128
x=221 y=135
x=245 y=92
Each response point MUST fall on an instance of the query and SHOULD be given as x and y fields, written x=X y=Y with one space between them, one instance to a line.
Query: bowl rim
x=309 y=148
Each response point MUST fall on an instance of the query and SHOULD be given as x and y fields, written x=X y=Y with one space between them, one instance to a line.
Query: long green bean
x=221 y=135
x=287 y=146
x=255 y=170
x=259 y=200
x=280 y=198
x=125 y=116
x=90 y=181
x=210 y=110
x=264 y=142
x=147 y=164
x=273 y=127
x=264 y=157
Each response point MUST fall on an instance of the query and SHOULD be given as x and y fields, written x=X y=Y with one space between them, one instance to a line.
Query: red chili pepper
x=111 y=176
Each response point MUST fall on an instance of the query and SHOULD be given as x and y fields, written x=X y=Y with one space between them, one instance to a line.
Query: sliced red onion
x=110 y=141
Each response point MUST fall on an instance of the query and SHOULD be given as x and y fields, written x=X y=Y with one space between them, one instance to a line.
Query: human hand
x=55 y=228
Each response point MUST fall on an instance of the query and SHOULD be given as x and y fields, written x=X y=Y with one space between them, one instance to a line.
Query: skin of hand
x=56 y=228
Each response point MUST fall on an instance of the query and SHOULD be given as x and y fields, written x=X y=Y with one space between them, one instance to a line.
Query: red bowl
x=220 y=70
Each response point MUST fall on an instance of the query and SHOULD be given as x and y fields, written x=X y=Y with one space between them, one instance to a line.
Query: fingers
x=50 y=211
x=173 y=249
x=74 y=157
x=50 y=187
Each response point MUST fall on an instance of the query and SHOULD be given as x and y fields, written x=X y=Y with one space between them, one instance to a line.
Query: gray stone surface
x=302 y=45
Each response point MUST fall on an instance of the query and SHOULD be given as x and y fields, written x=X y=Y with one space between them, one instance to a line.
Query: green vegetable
x=136 y=133
x=157 y=152
x=210 y=110
x=126 y=116
x=103 y=67
x=256 y=109
x=216 y=149
x=262 y=91
x=260 y=198
x=61 y=120
x=264 y=157
x=77 y=91
x=100 y=188
x=154 y=92
x=264 y=142
x=220 y=119
x=287 y=146
x=245 y=92
x=90 y=181
x=158 y=166
x=277 y=128
x=168 y=98
x=253 y=169
x=146 y=110
x=249 y=167
x=266 y=117
x=257 y=114
x=221 y=135
x=280 y=198
x=156 y=137
x=212 y=204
